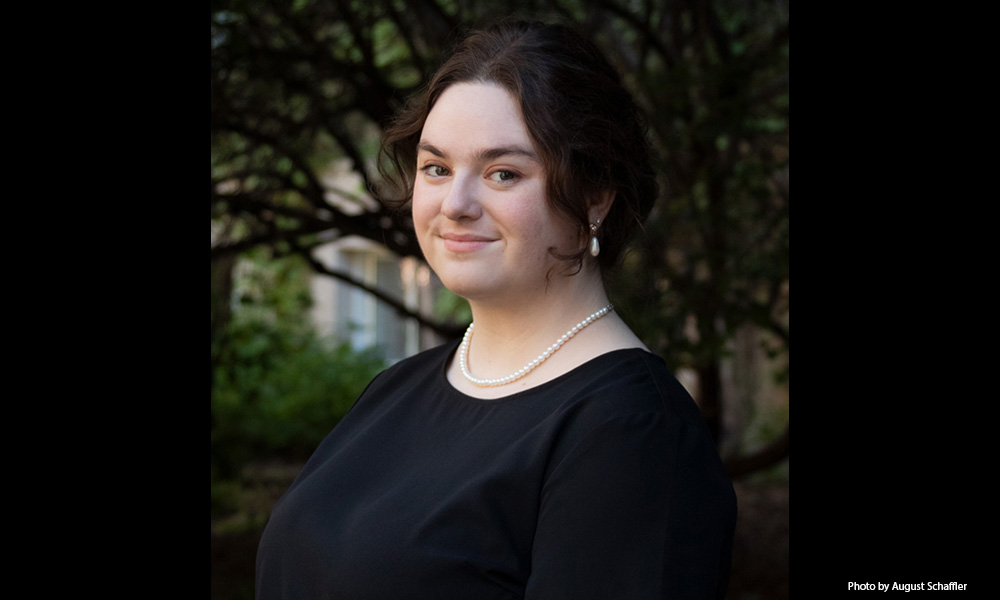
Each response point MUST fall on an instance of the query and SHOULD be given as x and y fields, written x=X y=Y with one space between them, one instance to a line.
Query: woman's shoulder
x=426 y=359
x=626 y=384
x=423 y=368
x=628 y=402
x=632 y=373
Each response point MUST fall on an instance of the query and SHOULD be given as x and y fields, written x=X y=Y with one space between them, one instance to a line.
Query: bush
x=277 y=388
x=278 y=398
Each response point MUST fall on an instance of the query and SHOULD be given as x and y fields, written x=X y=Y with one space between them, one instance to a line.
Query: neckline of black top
x=541 y=387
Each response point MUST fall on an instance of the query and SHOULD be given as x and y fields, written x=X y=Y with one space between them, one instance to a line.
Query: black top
x=602 y=483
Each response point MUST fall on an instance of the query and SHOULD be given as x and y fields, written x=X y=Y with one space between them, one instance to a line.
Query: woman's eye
x=435 y=171
x=503 y=176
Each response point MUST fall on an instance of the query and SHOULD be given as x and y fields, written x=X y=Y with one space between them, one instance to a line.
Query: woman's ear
x=599 y=210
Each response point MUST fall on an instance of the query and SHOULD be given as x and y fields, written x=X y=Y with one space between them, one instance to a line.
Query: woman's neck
x=519 y=322
x=507 y=337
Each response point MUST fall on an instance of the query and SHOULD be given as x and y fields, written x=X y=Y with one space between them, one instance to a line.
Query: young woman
x=549 y=454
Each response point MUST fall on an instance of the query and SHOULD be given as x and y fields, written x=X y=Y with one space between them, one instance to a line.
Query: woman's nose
x=462 y=199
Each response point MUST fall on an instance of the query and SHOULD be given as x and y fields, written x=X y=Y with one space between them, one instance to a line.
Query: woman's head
x=587 y=130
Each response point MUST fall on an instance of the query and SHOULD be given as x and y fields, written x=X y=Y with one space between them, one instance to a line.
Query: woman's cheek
x=421 y=210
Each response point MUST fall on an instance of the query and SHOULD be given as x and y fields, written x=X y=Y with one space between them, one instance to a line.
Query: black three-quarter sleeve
x=639 y=509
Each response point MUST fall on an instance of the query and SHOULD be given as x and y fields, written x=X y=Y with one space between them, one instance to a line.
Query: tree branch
x=444 y=329
x=649 y=37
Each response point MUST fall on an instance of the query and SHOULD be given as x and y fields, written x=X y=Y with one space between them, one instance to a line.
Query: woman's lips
x=464 y=242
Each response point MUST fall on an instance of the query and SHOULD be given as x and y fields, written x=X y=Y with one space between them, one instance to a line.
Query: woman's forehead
x=478 y=118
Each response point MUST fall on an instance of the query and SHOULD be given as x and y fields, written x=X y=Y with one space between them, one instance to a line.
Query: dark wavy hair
x=586 y=126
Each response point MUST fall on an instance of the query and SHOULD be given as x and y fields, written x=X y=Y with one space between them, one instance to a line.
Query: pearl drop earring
x=595 y=247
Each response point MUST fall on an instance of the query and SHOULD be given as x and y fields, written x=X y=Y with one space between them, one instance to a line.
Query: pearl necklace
x=463 y=353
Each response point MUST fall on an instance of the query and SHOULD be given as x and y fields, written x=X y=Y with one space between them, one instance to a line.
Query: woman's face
x=479 y=203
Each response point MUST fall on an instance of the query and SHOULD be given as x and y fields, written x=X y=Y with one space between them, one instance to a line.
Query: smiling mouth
x=465 y=242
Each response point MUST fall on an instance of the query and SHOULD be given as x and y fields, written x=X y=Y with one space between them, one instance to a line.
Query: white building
x=345 y=311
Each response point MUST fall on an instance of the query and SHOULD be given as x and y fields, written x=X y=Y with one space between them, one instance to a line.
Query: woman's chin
x=470 y=290
x=477 y=288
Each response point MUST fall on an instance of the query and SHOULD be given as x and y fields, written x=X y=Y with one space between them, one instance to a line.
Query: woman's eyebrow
x=425 y=147
x=495 y=153
x=485 y=153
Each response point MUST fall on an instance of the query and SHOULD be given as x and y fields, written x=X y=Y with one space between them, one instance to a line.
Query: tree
x=296 y=85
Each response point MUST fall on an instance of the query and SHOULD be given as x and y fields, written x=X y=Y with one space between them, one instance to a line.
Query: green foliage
x=451 y=308
x=280 y=396
x=278 y=388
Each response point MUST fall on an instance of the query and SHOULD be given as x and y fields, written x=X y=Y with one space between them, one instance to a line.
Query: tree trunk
x=222 y=291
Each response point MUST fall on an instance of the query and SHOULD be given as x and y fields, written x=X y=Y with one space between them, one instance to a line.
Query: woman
x=549 y=454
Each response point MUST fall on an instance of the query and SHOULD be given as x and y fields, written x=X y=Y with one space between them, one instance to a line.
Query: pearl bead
x=463 y=349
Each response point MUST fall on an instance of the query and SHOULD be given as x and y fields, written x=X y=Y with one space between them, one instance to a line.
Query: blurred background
x=316 y=286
